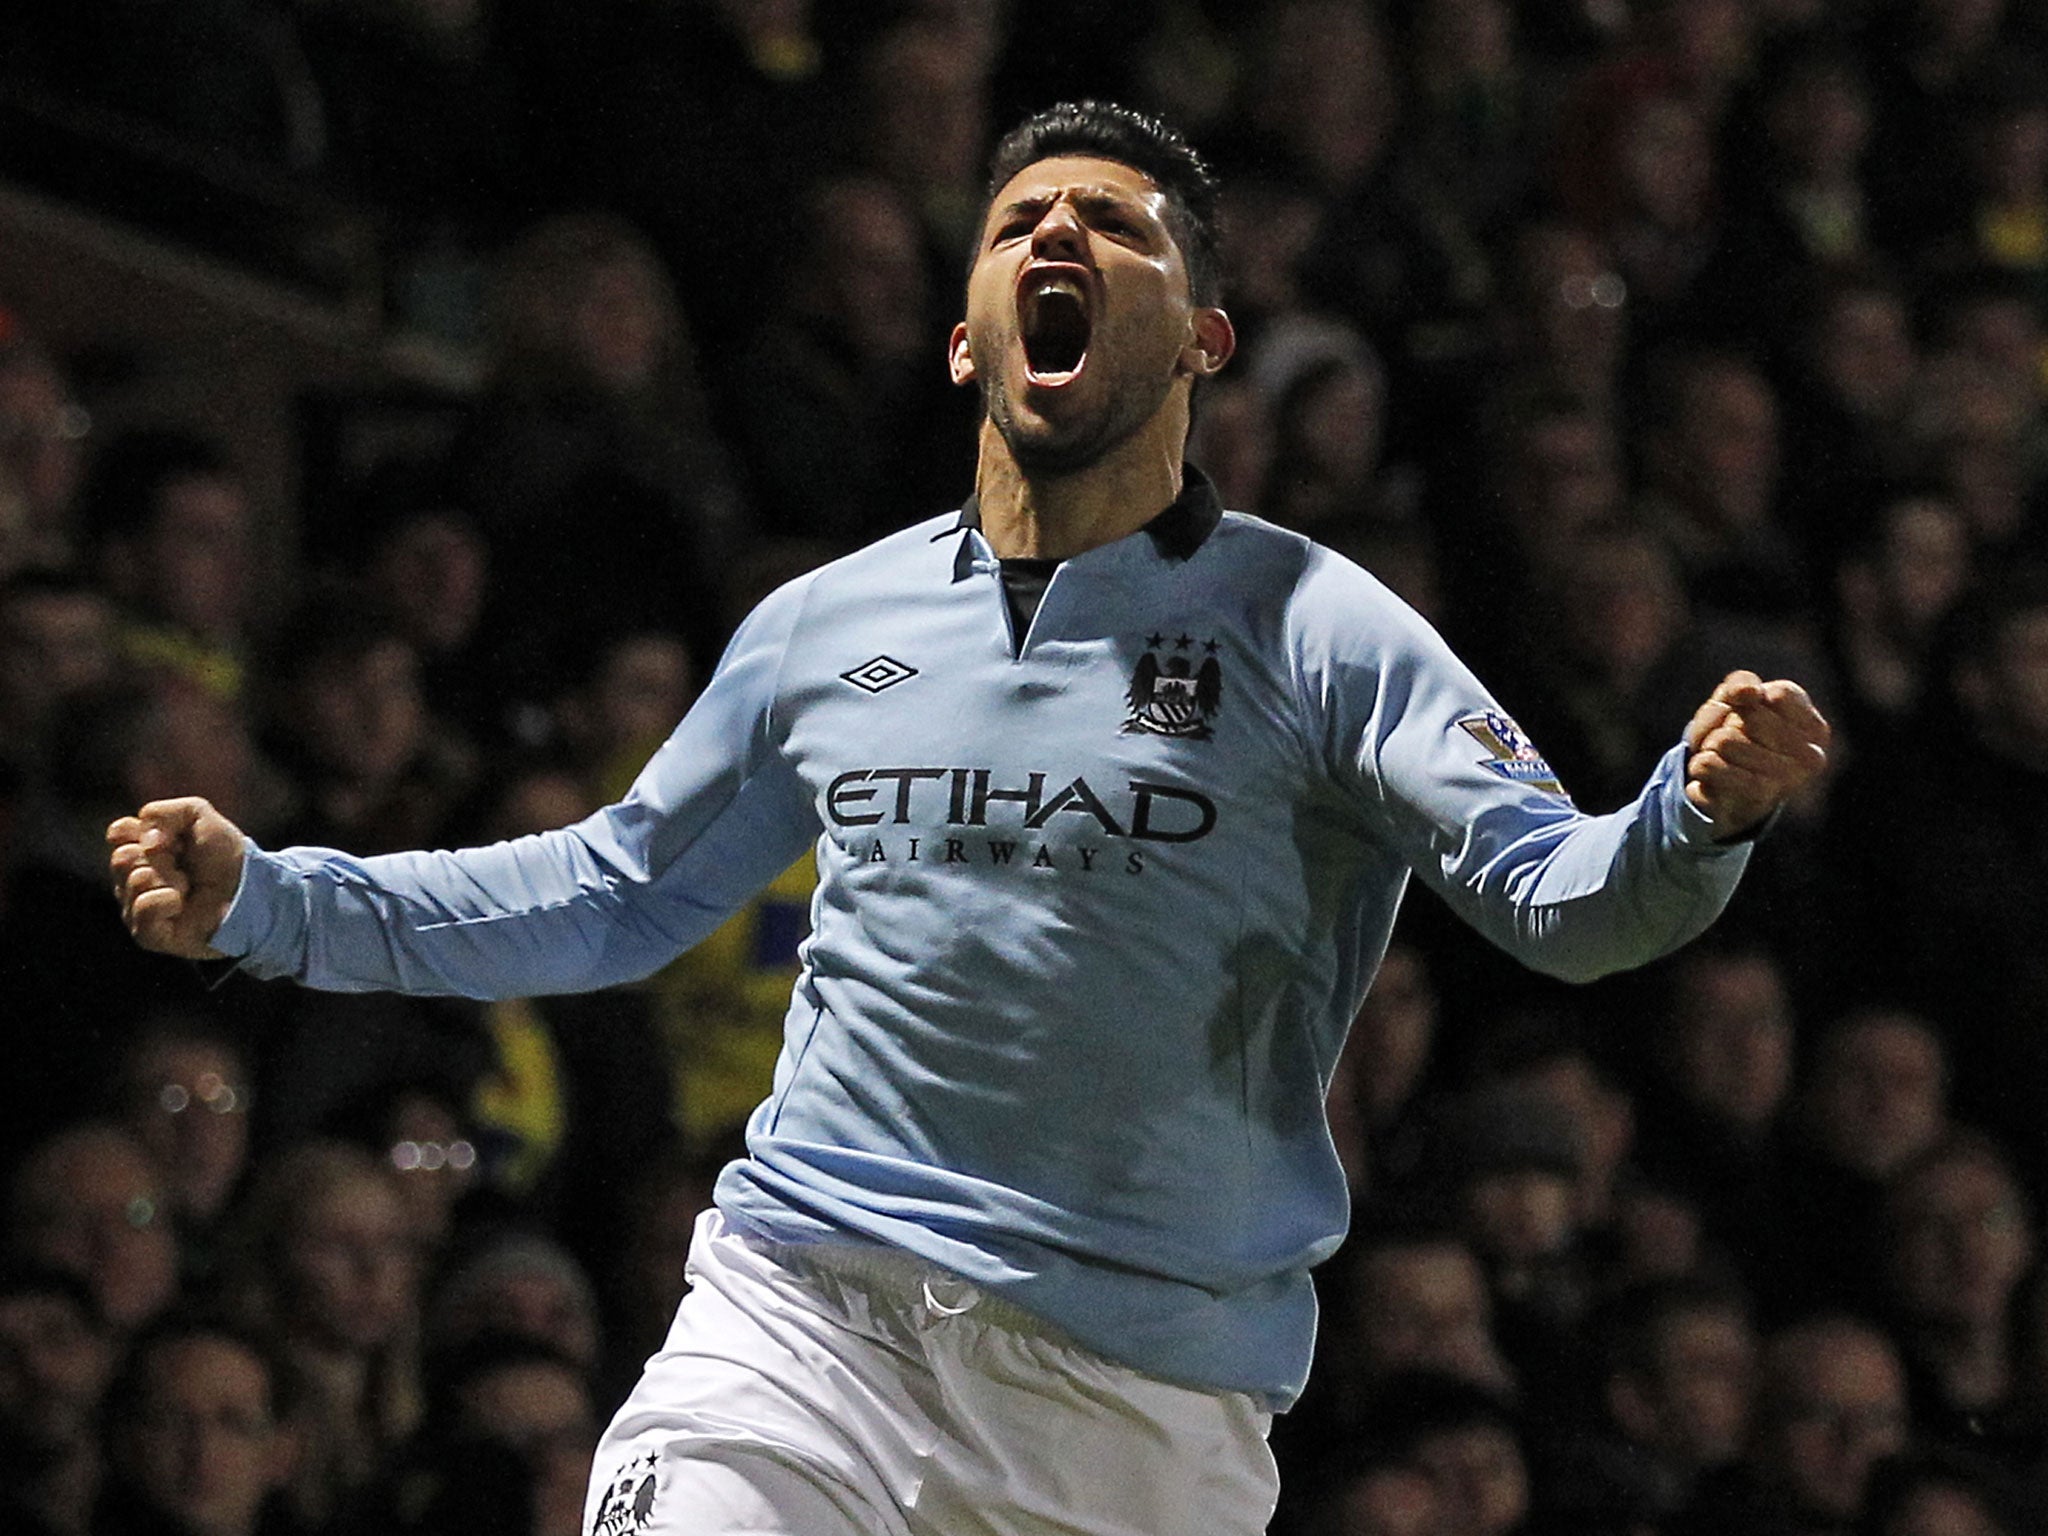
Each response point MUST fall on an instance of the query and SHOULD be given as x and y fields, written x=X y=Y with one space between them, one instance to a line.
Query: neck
x=1043 y=516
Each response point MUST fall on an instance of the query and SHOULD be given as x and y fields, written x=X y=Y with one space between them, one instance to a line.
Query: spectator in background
x=537 y=1402
x=521 y=1285
x=1925 y=55
x=1321 y=102
x=1473 y=123
x=1713 y=1123
x=427 y=569
x=1470 y=1443
x=171 y=529
x=1269 y=222
x=1629 y=647
x=1960 y=1239
x=68 y=962
x=1939 y=1494
x=1327 y=478
x=1414 y=1298
x=594 y=422
x=56 y=1354
x=56 y=643
x=394 y=75
x=1559 y=472
x=1972 y=429
x=1831 y=1404
x=1875 y=1096
x=1679 y=1367
x=1509 y=1165
x=1711 y=456
x=1895 y=586
x=197 y=1436
x=350 y=725
x=1549 y=1056
x=638 y=688
x=2002 y=213
x=1379 y=1075
x=1635 y=164
x=1847 y=388
x=847 y=430
x=924 y=118
x=1233 y=441
x=1550 y=471
x=1797 y=208
x=414 y=1126
x=43 y=435
x=183 y=1088
x=89 y=1202
x=1562 y=320
x=325 y=1270
x=1945 y=923
x=1402 y=1297
x=505 y=1447
x=1996 y=317
x=640 y=1266
x=1379 y=1495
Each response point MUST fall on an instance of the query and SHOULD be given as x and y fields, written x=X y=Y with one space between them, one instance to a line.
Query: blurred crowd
x=1629 y=340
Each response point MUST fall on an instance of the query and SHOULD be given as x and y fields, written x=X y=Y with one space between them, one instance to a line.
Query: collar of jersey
x=1177 y=532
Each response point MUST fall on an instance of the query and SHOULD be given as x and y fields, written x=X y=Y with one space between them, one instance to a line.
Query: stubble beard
x=1044 y=448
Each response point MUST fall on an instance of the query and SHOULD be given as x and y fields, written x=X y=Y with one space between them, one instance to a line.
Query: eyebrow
x=1087 y=199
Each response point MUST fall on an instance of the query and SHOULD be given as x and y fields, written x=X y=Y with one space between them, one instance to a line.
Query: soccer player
x=1114 y=795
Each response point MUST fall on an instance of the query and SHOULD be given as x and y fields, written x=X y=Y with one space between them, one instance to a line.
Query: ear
x=1212 y=339
x=959 y=361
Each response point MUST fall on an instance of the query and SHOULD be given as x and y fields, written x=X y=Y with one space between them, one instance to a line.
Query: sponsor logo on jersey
x=879 y=675
x=1170 y=695
x=1510 y=754
x=970 y=797
x=627 y=1508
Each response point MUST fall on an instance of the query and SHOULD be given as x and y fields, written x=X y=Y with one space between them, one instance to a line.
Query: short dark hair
x=1107 y=130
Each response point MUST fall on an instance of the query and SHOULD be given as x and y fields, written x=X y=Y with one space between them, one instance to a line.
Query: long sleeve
x=1470 y=804
x=714 y=816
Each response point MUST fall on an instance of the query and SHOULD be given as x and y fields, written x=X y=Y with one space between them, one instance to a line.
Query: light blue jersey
x=1095 y=909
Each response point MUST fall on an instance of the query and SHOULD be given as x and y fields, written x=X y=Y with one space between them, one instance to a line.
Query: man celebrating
x=1114 y=796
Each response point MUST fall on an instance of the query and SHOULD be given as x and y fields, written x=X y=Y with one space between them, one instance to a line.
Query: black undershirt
x=1178 y=531
x=1024 y=584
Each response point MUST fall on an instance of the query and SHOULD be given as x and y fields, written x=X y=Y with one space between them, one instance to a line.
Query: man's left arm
x=1469 y=803
x=1576 y=895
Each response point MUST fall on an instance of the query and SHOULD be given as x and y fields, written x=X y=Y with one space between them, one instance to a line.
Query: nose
x=1059 y=235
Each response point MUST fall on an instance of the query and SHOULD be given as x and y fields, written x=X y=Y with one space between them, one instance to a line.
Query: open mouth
x=1053 y=312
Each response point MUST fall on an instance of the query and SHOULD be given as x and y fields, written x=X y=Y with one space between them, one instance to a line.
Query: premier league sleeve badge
x=1510 y=754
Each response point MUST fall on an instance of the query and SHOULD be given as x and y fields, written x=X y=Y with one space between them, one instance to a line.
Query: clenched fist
x=1754 y=746
x=176 y=865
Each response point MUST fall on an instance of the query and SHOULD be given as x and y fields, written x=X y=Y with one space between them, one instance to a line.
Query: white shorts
x=853 y=1391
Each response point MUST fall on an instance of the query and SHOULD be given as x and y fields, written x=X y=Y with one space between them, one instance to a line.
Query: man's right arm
x=716 y=814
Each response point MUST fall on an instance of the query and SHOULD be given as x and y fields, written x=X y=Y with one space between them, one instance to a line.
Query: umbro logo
x=882 y=673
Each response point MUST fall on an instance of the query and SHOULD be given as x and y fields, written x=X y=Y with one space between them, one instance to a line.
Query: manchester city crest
x=1172 y=695
x=1510 y=754
x=627 y=1508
